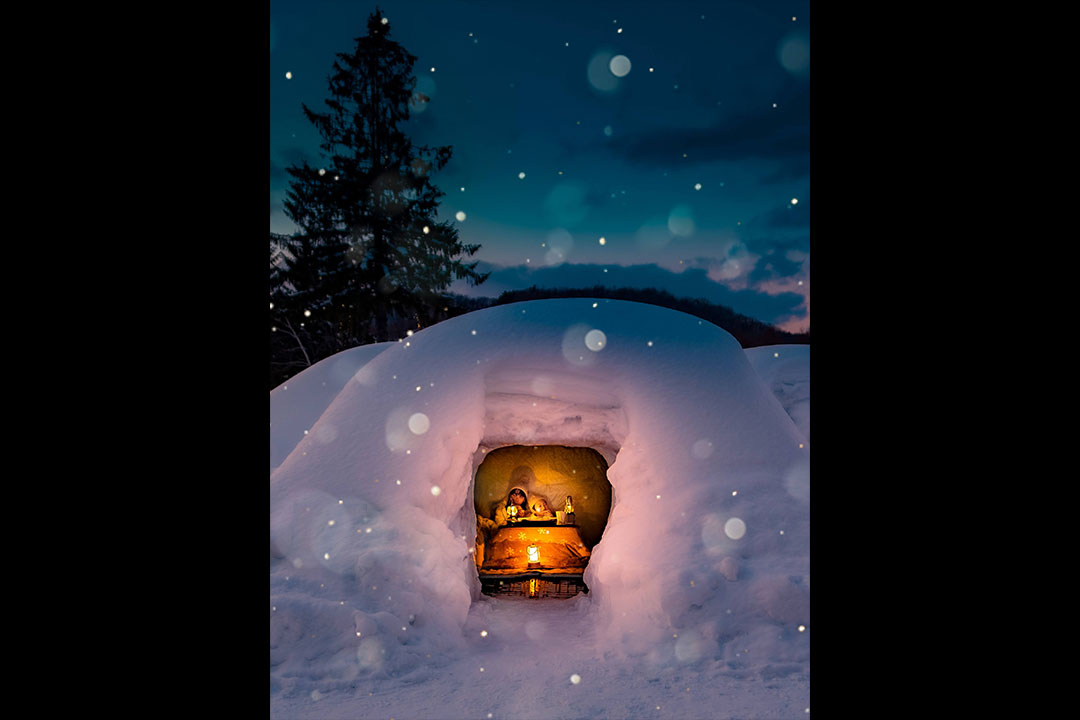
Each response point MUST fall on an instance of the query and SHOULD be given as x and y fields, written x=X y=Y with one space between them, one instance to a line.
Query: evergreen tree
x=369 y=248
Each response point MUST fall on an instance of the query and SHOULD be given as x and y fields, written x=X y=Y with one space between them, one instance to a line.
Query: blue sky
x=678 y=132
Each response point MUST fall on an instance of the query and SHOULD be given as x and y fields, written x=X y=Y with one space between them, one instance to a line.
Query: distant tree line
x=748 y=331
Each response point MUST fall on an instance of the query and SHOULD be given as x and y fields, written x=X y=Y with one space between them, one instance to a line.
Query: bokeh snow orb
x=702 y=449
x=689 y=647
x=794 y=54
x=681 y=221
x=712 y=534
x=599 y=74
x=619 y=66
x=460 y=215
x=797 y=481
x=370 y=653
x=566 y=203
x=575 y=678
x=325 y=433
x=543 y=386
x=423 y=93
x=559 y=243
x=574 y=348
x=595 y=340
x=653 y=234
x=535 y=630
x=735 y=528
x=399 y=435
x=419 y=423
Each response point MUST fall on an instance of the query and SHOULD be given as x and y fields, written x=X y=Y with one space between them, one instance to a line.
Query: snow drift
x=705 y=556
x=785 y=370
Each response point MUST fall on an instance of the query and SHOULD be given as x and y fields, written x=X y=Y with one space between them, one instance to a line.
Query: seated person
x=516 y=508
x=540 y=510
x=486 y=528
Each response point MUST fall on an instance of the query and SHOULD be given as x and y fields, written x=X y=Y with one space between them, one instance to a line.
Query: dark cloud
x=780 y=134
x=792 y=169
x=691 y=283
x=779 y=230
x=784 y=218
x=774 y=266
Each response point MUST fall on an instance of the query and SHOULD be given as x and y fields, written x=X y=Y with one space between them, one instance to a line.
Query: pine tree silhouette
x=369 y=246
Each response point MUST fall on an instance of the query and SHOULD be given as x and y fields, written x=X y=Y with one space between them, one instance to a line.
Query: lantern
x=569 y=505
x=512 y=511
x=534 y=554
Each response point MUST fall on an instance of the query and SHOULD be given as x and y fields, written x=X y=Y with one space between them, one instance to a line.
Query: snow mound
x=785 y=369
x=705 y=557
x=295 y=405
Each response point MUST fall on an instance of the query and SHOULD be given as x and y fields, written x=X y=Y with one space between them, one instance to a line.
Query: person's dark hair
x=525 y=495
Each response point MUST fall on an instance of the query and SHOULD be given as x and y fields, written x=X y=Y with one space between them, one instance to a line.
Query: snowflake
x=522 y=535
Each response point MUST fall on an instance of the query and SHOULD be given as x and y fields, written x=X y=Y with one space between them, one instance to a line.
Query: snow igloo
x=379 y=477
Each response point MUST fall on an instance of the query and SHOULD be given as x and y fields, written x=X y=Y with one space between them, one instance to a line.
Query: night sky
x=636 y=144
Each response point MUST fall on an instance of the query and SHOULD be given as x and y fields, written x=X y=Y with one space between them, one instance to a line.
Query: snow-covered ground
x=785 y=369
x=524 y=668
x=699 y=589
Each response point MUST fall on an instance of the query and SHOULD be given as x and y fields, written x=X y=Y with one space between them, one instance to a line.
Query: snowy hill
x=699 y=587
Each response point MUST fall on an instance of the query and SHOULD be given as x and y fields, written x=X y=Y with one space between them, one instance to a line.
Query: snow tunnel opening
x=538 y=543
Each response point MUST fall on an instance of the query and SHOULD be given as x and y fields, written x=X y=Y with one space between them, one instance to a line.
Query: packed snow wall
x=706 y=547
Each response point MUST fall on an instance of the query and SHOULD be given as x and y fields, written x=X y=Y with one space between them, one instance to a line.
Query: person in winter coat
x=486 y=528
x=515 y=508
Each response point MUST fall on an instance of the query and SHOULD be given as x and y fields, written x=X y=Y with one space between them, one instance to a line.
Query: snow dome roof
x=294 y=411
x=372 y=519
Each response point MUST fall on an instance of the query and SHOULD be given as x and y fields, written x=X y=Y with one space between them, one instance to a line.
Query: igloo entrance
x=532 y=546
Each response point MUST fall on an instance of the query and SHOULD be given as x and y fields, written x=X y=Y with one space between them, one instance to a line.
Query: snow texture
x=699 y=589
x=296 y=405
x=785 y=369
